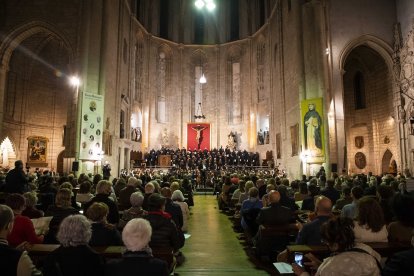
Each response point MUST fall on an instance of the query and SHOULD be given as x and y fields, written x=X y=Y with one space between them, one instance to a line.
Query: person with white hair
x=138 y=259
x=135 y=211
x=74 y=256
x=178 y=198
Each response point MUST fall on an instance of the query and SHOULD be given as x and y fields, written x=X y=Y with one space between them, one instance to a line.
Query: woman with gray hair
x=74 y=256
x=138 y=259
x=103 y=192
x=178 y=198
x=136 y=210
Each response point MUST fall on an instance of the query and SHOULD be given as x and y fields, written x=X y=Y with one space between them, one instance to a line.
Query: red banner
x=198 y=136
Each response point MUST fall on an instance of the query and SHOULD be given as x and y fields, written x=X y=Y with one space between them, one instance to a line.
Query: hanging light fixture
x=203 y=79
x=209 y=4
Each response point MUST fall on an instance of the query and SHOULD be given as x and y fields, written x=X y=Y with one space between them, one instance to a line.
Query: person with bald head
x=310 y=233
x=275 y=214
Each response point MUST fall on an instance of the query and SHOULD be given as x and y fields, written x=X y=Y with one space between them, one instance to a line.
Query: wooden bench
x=38 y=252
x=272 y=239
x=385 y=249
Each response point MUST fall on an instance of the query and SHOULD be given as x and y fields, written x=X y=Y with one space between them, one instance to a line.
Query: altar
x=164 y=160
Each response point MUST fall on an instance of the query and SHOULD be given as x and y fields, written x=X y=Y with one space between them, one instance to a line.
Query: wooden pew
x=271 y=239
x=385 y=249
x=38 y=252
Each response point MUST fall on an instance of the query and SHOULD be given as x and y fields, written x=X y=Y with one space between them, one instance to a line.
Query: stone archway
x=7 y=153
x=35 y=60
x=368 y=102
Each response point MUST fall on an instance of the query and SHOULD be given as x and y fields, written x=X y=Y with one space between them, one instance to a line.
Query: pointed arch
x=19 y=34
x=8 y=153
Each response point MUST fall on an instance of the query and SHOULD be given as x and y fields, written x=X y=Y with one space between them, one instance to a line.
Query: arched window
x=359 y=91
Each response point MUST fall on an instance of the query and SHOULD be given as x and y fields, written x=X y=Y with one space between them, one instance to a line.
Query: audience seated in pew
x=103 y=233
x=164 y=231
x=249 y=210
x=308 y=204
x=402 y=229
x=136 y=210
x=60 y=210
x=172 y=208
x=178 y=199
x=344 y=200
x=84 y=194
x=351 y=210
x=23 y=230
x=125 y=193
x=103 y=192
x=138 y=259
x=350 y=258
x=310 y=233
x=369 y=225
x=74 y=256
x=274 y=215
x=401 y=263
x=31 y=211
x=13 y=261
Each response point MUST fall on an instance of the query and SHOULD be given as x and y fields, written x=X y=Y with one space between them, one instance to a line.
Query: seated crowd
x=90 y=212
x=344 y=212
x=148 y=210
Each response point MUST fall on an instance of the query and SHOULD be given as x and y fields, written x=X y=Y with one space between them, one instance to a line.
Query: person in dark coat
x=16 y=180
x=74 y=257
x=103 y=191
x=125 y=193
x=275 y=214
x=310 y=234
x=138 y=259
x=164 y=230
x=400 y=263
x=330 y=192
x=60 y=210
x=103 y=233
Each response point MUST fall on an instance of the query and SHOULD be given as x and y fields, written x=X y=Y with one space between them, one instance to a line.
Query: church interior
x=261 y=61
x=284 y=88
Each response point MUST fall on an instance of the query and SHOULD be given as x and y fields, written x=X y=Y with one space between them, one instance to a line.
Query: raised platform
x=204 y=191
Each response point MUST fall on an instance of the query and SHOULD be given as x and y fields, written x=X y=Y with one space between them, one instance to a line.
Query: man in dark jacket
x=275 y=214
x=16 y=181
x=310 y=234
x=164 y=231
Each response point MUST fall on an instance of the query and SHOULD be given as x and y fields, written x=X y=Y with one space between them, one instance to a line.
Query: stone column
x=3 y=81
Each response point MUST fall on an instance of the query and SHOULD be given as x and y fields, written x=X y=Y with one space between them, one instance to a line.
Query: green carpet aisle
x=213 y=248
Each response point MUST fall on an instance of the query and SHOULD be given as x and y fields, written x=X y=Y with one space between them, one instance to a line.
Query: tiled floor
x=213 y=248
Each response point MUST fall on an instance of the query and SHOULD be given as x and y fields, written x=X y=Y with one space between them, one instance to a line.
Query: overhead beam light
x=199 y=4
x=209 y=4
x=74 y=81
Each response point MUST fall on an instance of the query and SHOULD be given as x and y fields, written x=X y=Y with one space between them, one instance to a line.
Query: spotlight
x=199 y=4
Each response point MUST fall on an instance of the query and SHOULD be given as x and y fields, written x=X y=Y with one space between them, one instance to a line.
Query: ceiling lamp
x=203 y=79
x=199 y=4
x=209 y=4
